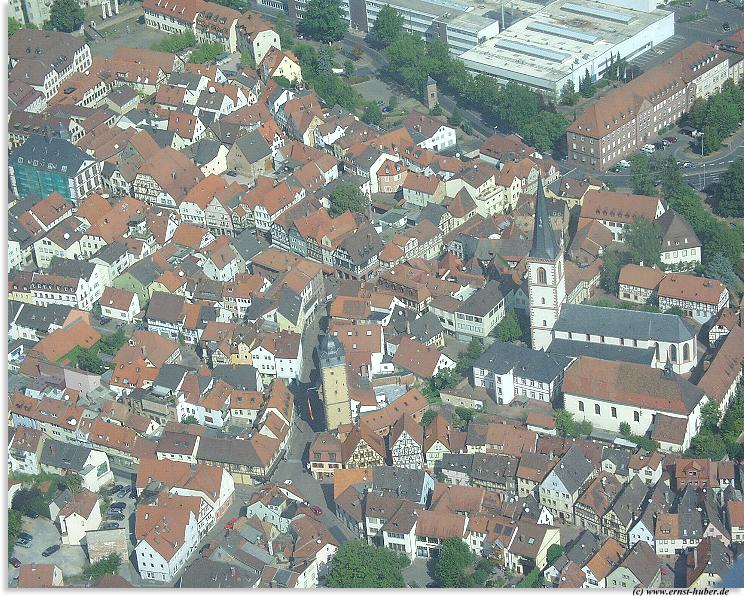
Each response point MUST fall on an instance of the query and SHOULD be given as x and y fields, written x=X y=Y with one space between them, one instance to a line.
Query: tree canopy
x=356 y=564
x=509 y=328
x=642 y=177
x=643 y=241
x=15 y=525
x=206 y=53
x=729 y=195
x=16 y=25
x=323 y=21
x=176 y=42
x=372 y=113
x=388 y=26
x=66 y=16
x=452 y=562
x=428 y=418
x=108 y=565
x=348 y=197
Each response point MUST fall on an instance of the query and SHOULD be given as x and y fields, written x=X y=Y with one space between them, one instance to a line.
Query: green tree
x=110 y=344
x=643 y=241
x=509 y=329
x=625 y=429
x=453 y=560
x=206 y=53
x=175 y=43
x=612 y=262
x=465 y=414
x=285 y=31
x=466 y=359
x=729 y=195
x=569 y=96
x=711 y=139
x=428 y=418
x=348 y=197
x=372 y=113
x=324 y=61
x=696 y=115
x=587 y=88
x=66 y=15
x=246 y=60
x=710 y=415
x=642 y=178
x=15 y=525
x=359 y=565
x=565 y=425
x=189 y=420
x=708 y=445
x=388 y=26
x=393 y=102
x=88 y=360
x=719 y=267
x=554 y=551
x=674 y=310
x=408 y=61
x=455 y=118
x=349 y=68
x=108 y=565
x=672 y=181
x=533 y=579
x=30 y=500
x=323 y=21
x=16 y=25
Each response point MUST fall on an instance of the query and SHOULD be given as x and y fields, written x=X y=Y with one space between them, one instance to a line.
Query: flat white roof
x=555 y=40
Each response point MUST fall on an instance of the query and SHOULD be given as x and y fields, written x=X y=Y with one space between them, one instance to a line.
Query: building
x=621 y=122
x=40 y=575
x=324 y=456
x=608 y=393
x=406 y=442
x=680 y=246
x=617 y=210
x=563 y=486
x=461 y=26
x=335 y=387
x=699 y=298
x=75 y=515
x=545 y=276
x=563 y=40
x=672 y=340
x=43 y=165
x=509 y=371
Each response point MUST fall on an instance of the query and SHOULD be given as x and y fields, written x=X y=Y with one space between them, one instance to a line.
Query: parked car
x=648 y=148
x=623 y=164
x=288 y=481
x=117 y=488
x=120 y=505
x=231 y=524
x=726 y=26
x=33 y=515
x=316 y=510
x=123 y=492
x=15 y=562
x=50 y=550
x=670 y=140
x=116 y=516
x=687 y=164
x=25 y=536
x=23 y=543
x=110 y=526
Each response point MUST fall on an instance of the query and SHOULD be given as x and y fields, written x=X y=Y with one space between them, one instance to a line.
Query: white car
x=288 y=481
x=648 y=148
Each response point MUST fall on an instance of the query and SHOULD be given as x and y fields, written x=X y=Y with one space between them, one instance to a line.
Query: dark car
x=115 y=515
x=120 y=505
x=671 y=140
x=33 y=515
x=25 y=536
x=116 y=488
x=122 y=492
x=15 y=562
x=47 y=552
x=24 y=543
x=316 y=510
x=726 y=27
x=110 y=526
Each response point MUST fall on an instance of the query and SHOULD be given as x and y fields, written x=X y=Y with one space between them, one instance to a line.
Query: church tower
x=545 y=276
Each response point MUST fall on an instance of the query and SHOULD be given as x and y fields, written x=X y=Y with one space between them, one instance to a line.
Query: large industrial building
x=566 y=38
x=462 y=25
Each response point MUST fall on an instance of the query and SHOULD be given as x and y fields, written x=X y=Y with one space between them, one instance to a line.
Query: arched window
x=685 y=353
x=542 y=276
x=674 y=353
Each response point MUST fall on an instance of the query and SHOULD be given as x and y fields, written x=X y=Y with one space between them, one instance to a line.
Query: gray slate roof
x=544 y=245
x=501 y=358
x=253 y=146
x=573 y=469
x=399 y=482
x=61 y=155
x=65 y=456
x=616 y=322
x=574 y=349
x=40 y=318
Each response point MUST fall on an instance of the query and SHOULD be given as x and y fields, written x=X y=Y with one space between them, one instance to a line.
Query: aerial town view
x=370 y=294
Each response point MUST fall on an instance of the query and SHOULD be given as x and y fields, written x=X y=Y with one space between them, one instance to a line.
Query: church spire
x=544 y=245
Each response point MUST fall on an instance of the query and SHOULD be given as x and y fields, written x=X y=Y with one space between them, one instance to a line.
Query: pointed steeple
x=544 y=245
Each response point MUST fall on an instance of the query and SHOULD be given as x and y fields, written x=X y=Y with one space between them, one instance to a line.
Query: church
x=656 y=338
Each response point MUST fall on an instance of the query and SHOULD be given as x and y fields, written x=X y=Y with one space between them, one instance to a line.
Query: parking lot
x=71 y=559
